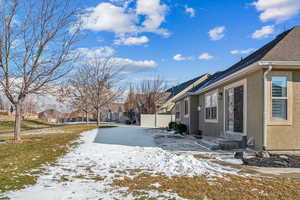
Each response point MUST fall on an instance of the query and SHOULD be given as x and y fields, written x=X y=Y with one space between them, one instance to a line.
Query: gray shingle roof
x=252 y=58
x=179 y=88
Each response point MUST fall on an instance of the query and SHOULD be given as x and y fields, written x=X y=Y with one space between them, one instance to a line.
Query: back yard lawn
x=7 y=126
x=100 y=168
x=18 y=160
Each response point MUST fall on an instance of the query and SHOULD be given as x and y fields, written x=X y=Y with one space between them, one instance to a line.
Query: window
x=177 y=111
x=186 y=107
x=279 y=97
x=211 y=105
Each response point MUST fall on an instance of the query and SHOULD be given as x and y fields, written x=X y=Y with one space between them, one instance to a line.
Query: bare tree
x=100 y=81
x=29 y=105
x=75 y=93
x=146 y=97
x=130 y=105
x=36 y=40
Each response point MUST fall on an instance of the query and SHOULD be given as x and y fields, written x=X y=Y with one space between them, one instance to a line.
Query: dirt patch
x=281 y=161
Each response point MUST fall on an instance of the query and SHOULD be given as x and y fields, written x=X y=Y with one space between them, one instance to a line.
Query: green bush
x=181 y=128
x=172 y=125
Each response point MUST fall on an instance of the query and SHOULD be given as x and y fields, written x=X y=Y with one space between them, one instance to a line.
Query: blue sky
x=181 y=39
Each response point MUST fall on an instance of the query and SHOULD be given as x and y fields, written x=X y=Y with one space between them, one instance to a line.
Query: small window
x=211 y=105
x=279 y=97
x=186 y=107
x=177 y=111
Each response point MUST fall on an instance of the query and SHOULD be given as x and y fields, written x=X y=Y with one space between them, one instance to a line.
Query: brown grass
x=227 y=188
x=8 y=126
x=16 y=160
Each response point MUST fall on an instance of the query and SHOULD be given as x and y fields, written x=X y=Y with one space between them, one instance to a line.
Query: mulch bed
x=282 y=161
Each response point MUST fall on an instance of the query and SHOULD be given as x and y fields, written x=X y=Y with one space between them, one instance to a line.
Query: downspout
x=265 y=132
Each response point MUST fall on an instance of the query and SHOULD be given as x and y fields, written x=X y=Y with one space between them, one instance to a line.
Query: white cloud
x=105 y=51
x=278 y=10
x=155 y=13
x=116 y=16
x=179 y=57
x=245 y=51
x=132 y=41
x=190 y=11
x=264 y=32
x=131 y=66
x=127 y=65
x=217 y=33
x=205 y=56
x=108 y=17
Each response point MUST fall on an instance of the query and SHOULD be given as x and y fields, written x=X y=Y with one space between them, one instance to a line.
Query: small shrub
x=181 y=128
x=172 y=125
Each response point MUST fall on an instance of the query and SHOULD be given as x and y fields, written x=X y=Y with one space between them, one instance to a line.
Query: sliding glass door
x=234 y=109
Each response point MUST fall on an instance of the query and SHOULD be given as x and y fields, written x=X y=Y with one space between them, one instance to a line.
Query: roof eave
x=279 y=63
x=253 y=67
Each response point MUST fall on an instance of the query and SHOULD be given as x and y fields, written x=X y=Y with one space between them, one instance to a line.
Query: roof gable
x=179 y=88
x=287 y=49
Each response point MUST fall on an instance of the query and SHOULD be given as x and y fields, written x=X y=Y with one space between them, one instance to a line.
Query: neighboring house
x=257 y=98
x=114 y=113
x=178 y=91
x=50 y=115
x=77 y=116
x=186 y=106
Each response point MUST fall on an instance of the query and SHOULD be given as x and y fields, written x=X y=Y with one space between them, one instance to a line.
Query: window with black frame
x=279 y=97
x=186 y=107
x=211 y=106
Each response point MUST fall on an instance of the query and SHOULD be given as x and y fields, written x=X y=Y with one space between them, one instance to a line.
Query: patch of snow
x=231 y=160
x=72 y=176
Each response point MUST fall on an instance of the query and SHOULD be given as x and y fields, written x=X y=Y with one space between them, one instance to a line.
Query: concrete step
x=219 y=143
x=229 y=145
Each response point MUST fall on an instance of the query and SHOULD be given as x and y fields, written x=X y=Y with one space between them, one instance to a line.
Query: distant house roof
x=272 y=51
x=50 y=114
x=179 y=88
x=116 y=107
x=207 y=82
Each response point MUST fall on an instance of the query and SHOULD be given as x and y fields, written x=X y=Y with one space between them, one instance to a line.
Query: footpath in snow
x=101 y=154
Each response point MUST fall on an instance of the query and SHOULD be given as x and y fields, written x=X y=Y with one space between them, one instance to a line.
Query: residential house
x=50 y=115
x=257 y=99
x=78 y=116
x=178 y=91
x=114 y=113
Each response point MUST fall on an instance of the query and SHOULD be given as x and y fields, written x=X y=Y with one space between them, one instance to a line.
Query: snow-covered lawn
x=88 y=171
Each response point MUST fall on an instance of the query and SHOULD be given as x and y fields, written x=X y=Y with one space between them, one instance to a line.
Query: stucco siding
x=255 y=108
x=182 y=118
x=287 y=137
x=210 y=128
x=190 y=120
x=254 y=120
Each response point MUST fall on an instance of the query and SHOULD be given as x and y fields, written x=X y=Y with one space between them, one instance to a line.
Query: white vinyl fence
x=156 y=121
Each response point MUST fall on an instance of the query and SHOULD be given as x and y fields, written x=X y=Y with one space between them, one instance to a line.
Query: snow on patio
x=87 y=171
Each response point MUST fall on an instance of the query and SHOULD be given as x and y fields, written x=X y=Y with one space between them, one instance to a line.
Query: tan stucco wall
x=191 y=120
x=287 y=137
x=211 y=128
x=182 y=118
x=254 y=108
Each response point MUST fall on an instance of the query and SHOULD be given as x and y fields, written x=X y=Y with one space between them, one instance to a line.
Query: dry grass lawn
x=226 y=188
x=7 y=126
x=20 y=164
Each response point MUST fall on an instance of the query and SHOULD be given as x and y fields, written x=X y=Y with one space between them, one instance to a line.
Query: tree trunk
x=98 y=117
x=17 y=131
x=86 y=117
